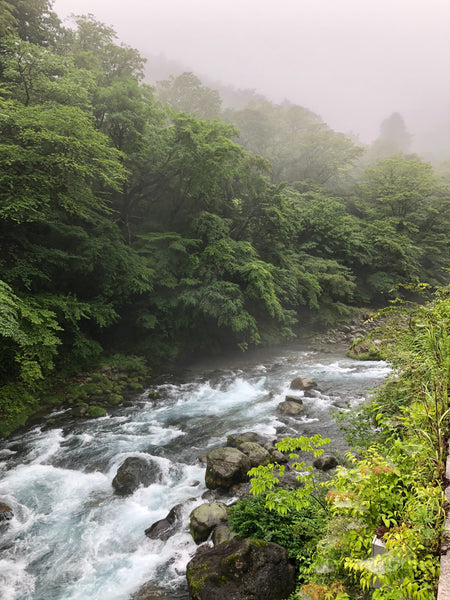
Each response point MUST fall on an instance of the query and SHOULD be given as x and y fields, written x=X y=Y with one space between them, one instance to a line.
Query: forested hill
x=151 y=221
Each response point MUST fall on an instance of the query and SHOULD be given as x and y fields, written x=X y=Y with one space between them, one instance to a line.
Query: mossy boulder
x=205 y=518
x=256 y=453
x=366 y=349
x=241 y=569
x=226 y=467
x=94 y=412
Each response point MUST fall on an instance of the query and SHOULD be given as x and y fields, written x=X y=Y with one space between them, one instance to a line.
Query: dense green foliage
x=393 y=488
x=133 y=220
x=298 y=531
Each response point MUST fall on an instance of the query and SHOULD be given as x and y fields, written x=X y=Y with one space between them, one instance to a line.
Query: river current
x=72 y=538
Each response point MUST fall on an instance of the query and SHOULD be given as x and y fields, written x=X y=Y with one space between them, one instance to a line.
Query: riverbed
x=72 y=538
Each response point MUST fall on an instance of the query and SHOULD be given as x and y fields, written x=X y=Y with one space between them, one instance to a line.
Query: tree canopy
x=153 y=221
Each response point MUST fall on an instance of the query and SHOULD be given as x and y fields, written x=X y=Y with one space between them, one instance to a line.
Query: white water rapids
x=72 y=538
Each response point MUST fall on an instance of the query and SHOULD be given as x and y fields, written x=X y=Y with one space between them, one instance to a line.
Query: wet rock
x=6 y=512
x=296 y=399
x=225 y=467
x=234 y=440
x=325 y=462
x=150 y=591
x=302 y=383
x=241 y=569
x=291 y=409
x=205 y=518
x=256 y=453
x=341 y=404
x=165 y=528
x=278 y=457
x=222 y=534
x=133 y=472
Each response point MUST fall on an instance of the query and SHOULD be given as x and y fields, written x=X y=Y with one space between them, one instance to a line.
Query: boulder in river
x=256 y=453
x=291 y=409
x=302 y=383
x=234 y=440
x=132 y=473
x=291 y=398
x=205 y=518
x=241 y=569
x=6 y=512
x=225 y=467
x=325 y=462
x=164 y=528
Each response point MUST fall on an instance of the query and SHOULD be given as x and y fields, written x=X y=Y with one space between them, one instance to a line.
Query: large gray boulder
x=291 y=409
x=241 y=569
x=302 y=383
x=205 y=518
x=256 y=453
x=234 y=440
x=225 y=467
x=132 y=473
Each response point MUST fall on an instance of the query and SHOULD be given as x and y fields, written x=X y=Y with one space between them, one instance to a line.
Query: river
x=72 y=538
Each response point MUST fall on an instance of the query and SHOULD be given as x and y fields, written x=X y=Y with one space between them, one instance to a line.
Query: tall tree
x=186 y=93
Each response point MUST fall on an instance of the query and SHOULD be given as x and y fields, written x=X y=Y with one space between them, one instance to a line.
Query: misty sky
x=353 y=62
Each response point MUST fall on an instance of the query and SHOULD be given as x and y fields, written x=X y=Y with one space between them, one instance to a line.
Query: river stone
x=291 y=409
x=296 y=399
x=150 y=591
x=204 y=518
x=325 y=462
x=302 y=383
x=256 y=453
x=165 y=528
x=221 y=534
x=225 y=467
x=241 y=569
x=6 y=512
x=234 y=440
x=279 y=457
x=132 y=473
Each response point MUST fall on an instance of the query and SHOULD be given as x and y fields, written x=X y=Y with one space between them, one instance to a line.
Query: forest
x=153 y=221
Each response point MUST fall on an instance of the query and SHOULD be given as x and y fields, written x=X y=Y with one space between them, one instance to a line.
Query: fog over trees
x=352 y=63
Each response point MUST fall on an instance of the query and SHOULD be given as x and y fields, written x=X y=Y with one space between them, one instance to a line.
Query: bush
x=298 y=531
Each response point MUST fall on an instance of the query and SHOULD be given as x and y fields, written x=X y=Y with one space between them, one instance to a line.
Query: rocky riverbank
x=226 y=567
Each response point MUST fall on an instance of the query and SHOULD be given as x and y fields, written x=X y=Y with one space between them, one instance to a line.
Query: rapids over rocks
x=72 y=538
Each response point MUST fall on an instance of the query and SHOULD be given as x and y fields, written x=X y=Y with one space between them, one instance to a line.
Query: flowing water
x=72 y=538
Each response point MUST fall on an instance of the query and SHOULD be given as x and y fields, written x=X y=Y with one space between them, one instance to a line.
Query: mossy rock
x=115 y=399
x=80 y=410
x=96 y=411
x=365 y=349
